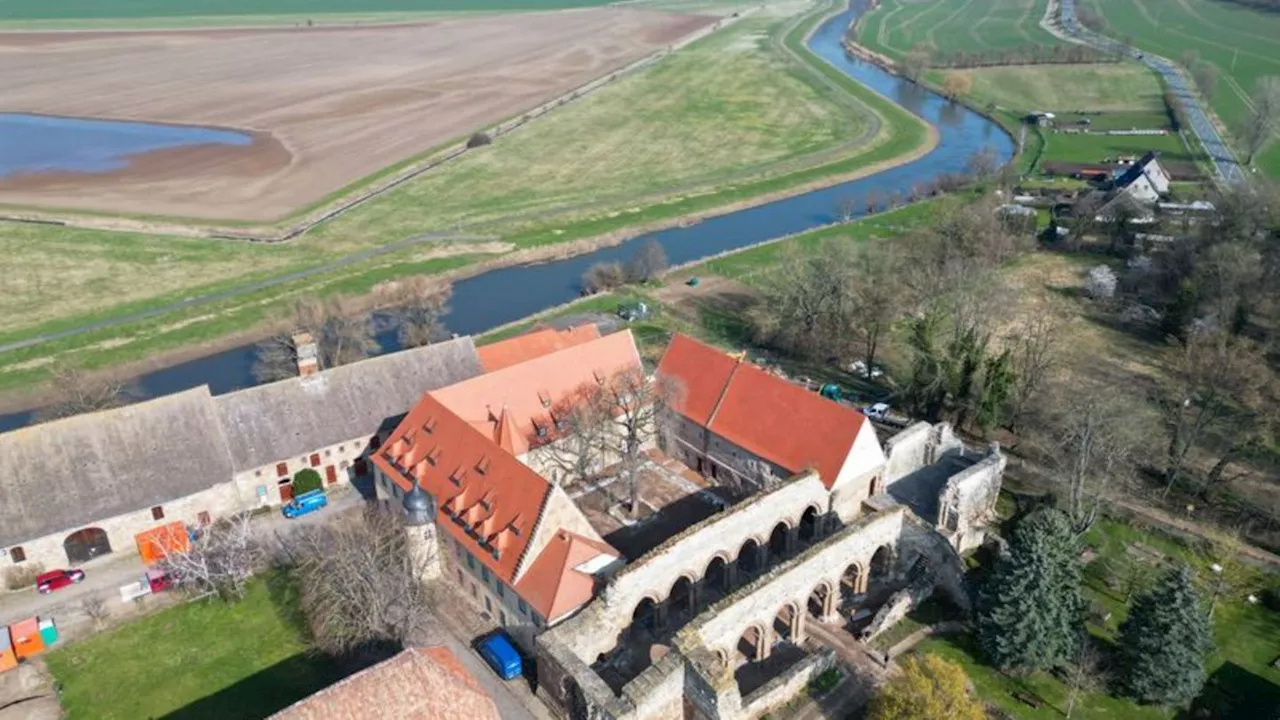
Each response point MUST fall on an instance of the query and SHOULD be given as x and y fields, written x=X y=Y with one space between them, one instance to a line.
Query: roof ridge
x=724 y=392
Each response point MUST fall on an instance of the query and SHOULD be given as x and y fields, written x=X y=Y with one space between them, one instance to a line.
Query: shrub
x=17 y=578
x=480 y=139
x=1100 y=283
x=305 y=481
x=603 y=276
x=825 y=682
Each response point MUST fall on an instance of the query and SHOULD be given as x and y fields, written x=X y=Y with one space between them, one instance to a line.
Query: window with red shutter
x=315 y=459
x=282 y=469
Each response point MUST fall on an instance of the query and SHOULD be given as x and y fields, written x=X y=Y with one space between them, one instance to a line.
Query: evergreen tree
x=998 y=381
x=1164 y=642
x=1030 y=611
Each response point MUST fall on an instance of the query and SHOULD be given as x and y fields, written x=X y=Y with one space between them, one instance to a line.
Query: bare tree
x=878 y=296
x=341 y=330
x=1085 y=674
x=220 y=560
x=808 y=302
x=983 y=163
x=1095 y=432
x=1206 y=78
x=649 y=262
x=419 y=305
x=846 y=210
x=81 y=392
x=579 y=444
x=1264 y=120
x=1209 y=377
x=361 y=582
x=1034 y=358
x=637 y=405
x=914 y=63
x=602 y=277
x=95 y=608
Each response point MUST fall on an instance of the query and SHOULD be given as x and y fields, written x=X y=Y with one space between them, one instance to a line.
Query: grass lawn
x=1095 y=147
x=198 y=660
x=1241 y=42
x=954 y=26
x=1246 y=638
x=1098 y=87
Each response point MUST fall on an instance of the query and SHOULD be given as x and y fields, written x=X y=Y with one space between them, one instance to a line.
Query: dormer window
x=434 y=455
x=482 y=466
x=457 y=476
x=429 y=425
x=545 y=398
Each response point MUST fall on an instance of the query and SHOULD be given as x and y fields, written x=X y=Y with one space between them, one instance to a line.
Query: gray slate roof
x=271 y=423
x=69 y=473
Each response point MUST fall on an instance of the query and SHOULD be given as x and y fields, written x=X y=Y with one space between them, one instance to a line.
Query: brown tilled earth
x=327 y=106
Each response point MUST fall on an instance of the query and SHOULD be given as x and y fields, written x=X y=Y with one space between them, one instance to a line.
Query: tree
x=1206 y=78
x=999 y=382
x=602 y=277
x=878 y=298
x=1035 y=356
x=1100 y=283
x=928 y=688
x=1210 y=378
x=1084 y=674
x=1265 y=118
x=649 y=262
x=220 y=560
x=808 y=304
x=305 y=481
x=79 y=392
x=956 y=85
x=361 y=582
x=914 y=63
x=1030 y=610
x=638 y=406
x=579 y=444
x=341 y=329
x=419 y=305
x=983 y=163
x=1095 y=431
x=1164 y=642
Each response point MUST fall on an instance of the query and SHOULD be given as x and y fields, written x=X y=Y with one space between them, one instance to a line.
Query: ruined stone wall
x=689 y=554
x=689 y=442
x=969 y=499
x=783 y=688
x=917 y=446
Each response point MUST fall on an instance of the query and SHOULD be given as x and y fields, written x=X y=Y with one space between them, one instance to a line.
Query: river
x=495 y=298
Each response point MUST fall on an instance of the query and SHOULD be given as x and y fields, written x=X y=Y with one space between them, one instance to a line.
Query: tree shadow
x=1234 y=693
x=265 y=692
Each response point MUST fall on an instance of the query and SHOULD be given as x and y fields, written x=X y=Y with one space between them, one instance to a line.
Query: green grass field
x=1104 y=87
x=1244 y=45
x=204 y=659
x=953 y=26
x=1245 y=636
x=721 y=122
x=107 y=9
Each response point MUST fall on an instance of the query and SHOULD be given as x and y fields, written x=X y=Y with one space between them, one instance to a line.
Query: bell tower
x=420 y=529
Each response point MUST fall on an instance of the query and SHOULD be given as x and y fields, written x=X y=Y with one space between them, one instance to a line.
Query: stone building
x=712 y=623
x=82 y=487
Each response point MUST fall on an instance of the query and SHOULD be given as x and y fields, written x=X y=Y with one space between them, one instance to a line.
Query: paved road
x=104 y=576
x=1224 y=160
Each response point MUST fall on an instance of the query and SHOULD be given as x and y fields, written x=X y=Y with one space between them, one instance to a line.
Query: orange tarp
x=26 y=638
x=157 y=542
x=8 y=660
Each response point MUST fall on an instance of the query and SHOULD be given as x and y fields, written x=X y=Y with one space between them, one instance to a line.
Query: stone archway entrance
x=84 y=545
x=575 y=701
x=752 y=646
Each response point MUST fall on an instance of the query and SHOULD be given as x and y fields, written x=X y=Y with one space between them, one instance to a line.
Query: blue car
x=501 y=655
x=307 y=502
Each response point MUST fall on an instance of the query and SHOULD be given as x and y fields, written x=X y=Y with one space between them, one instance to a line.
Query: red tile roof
x=759 y=412
x=521 y=348
x=417 y=684
x=478 y=485
x=562 y=578
x=510 y=405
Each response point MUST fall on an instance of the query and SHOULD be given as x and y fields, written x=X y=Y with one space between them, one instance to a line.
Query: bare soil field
x=326 y=106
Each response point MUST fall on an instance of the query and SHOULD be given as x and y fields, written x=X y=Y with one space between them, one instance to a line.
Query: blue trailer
x=307 y=502
x=501 y=655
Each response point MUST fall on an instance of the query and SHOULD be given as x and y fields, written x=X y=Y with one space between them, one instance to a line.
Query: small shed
x=25 y=635
x=1043 y=119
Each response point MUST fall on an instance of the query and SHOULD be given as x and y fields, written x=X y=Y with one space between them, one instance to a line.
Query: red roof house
x=417 y=684
x=513 y=351
x=768 y=416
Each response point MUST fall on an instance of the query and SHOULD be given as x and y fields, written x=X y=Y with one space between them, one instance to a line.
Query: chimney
x=304 y=348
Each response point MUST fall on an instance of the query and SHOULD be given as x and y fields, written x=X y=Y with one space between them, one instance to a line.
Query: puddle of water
x=42 y=143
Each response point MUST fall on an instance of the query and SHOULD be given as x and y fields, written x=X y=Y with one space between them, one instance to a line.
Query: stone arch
x=748 y=560
x=809 y=526
x=788 y=624
x=717 y=575
x=722 y=657
x=780 y=540
x=575 y=701
x=683 y=596
x=645 y=614
x=753 y=644
x=86 y=544
x=880 y=567
x=821 y=603
x=853 y=581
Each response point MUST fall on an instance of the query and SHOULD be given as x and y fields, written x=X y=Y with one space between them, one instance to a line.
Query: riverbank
x=490 y=293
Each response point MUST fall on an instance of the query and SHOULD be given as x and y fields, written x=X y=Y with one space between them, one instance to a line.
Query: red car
x=57 y=579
